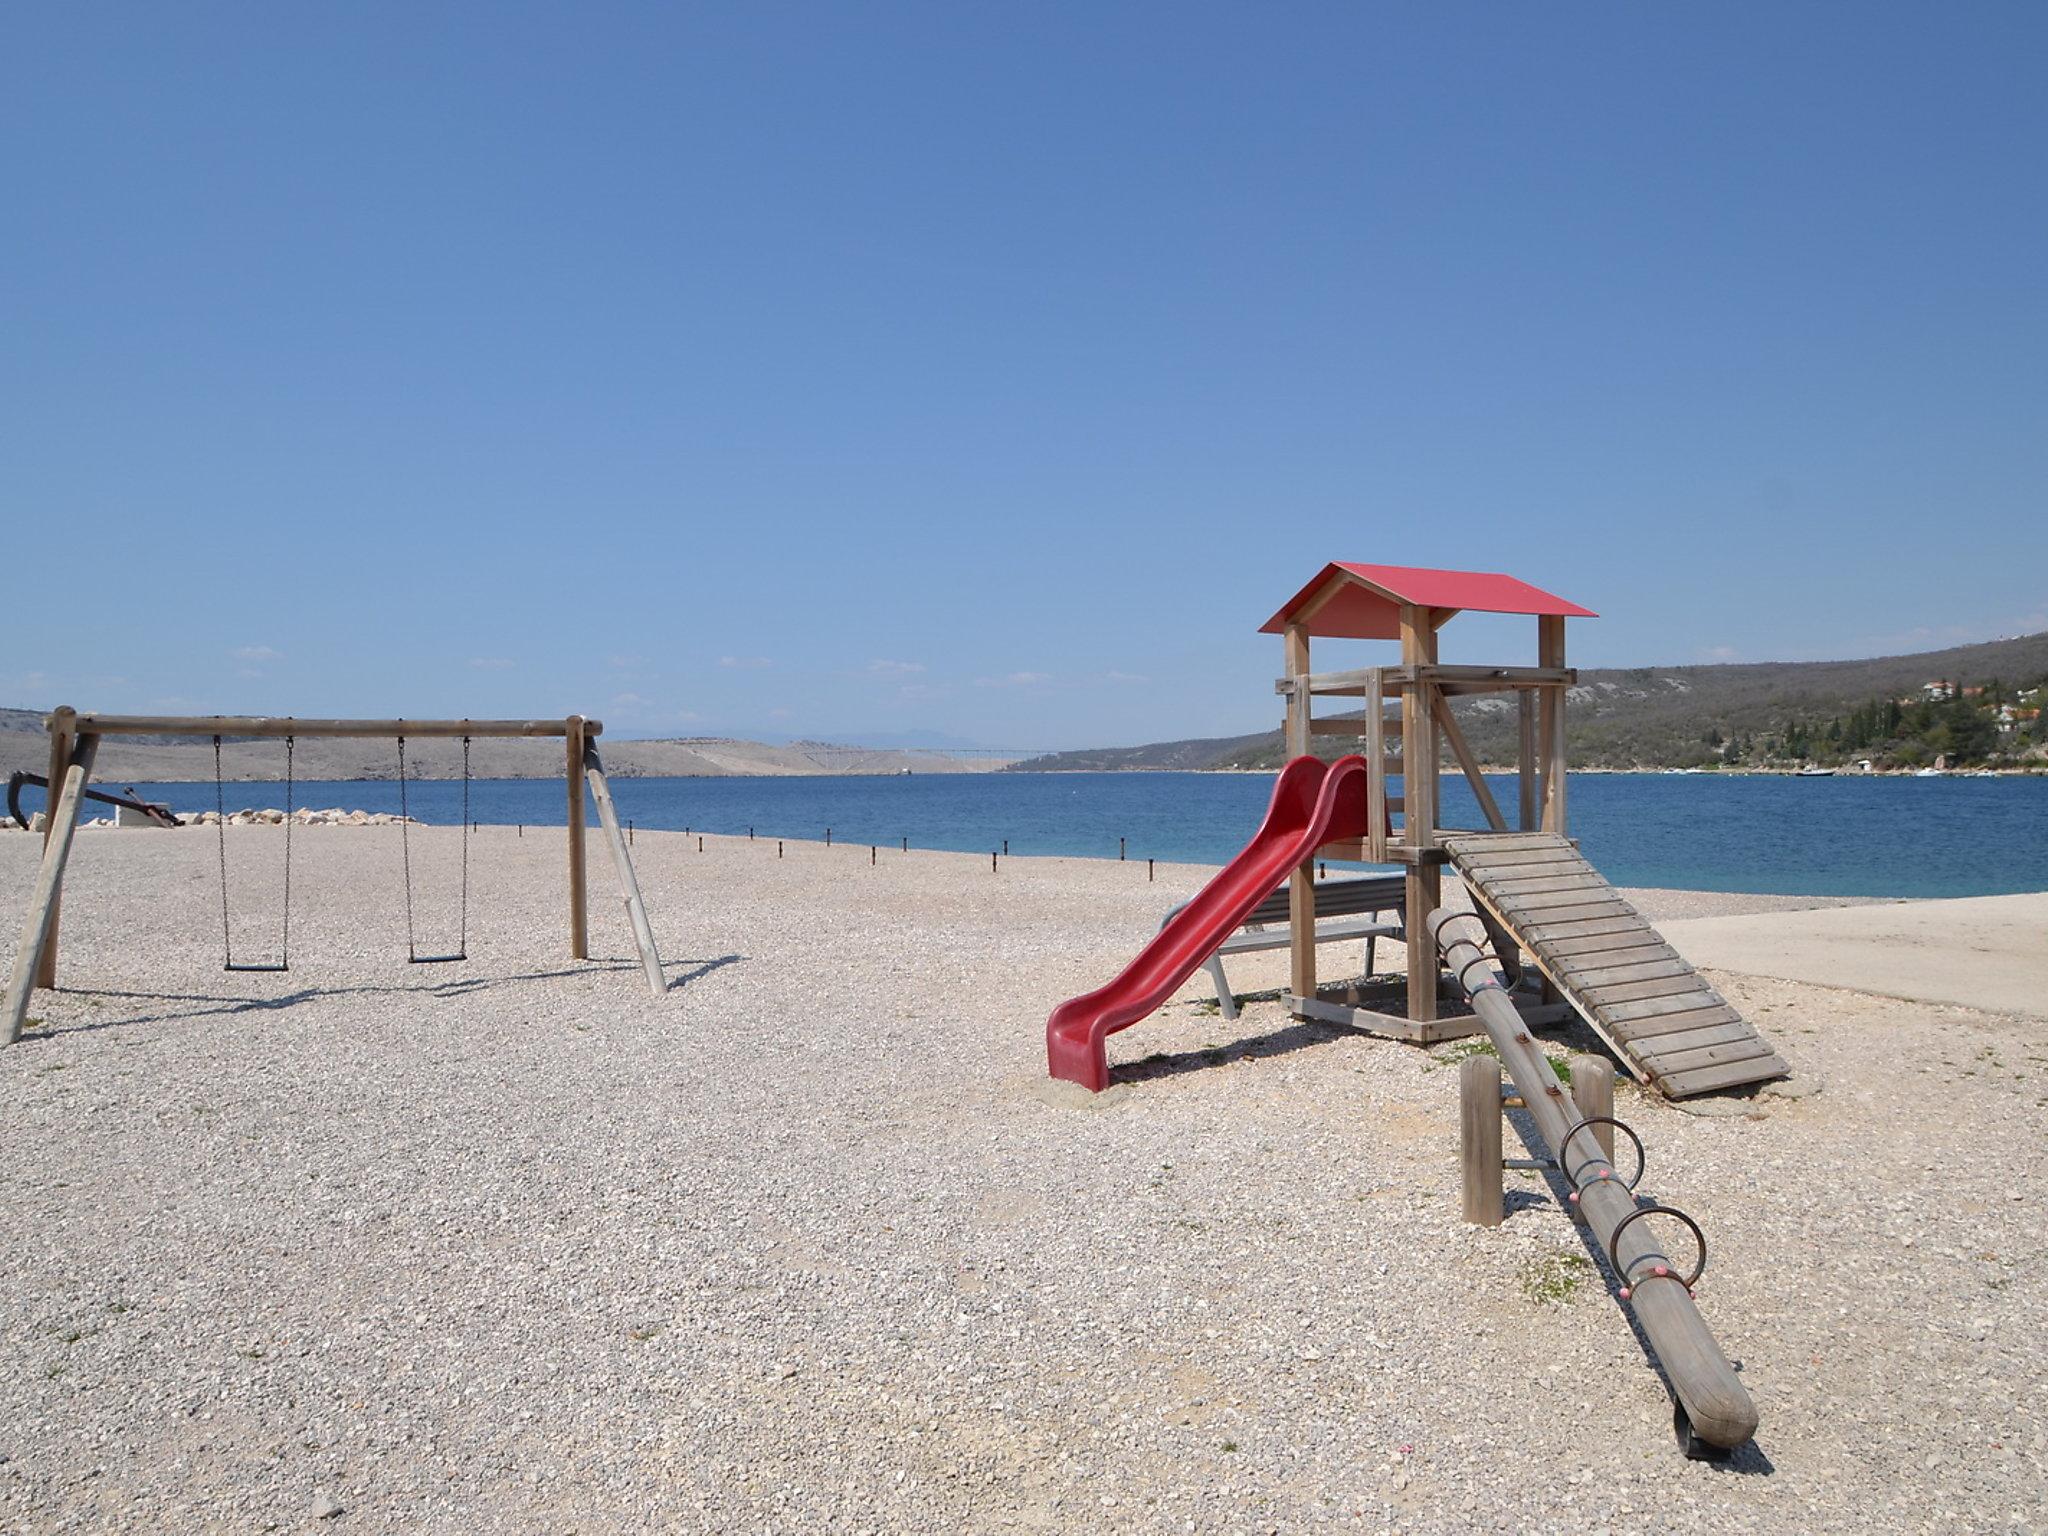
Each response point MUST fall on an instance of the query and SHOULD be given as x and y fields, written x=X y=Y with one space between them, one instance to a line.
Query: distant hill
x=1637 y=717
x=167 y=759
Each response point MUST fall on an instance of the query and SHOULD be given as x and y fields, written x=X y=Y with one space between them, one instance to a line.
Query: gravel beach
x=812 y=1244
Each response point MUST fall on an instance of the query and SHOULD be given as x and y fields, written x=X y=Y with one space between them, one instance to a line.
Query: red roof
x=1368 y=606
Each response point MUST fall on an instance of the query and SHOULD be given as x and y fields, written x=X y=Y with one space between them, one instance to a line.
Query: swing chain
x=220 y=827
x=284 y=938
x=463 y=945
x=405 y=851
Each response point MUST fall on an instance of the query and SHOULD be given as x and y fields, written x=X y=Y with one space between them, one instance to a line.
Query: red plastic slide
x=1313 y=803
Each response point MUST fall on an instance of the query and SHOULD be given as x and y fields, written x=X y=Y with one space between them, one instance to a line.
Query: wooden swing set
x=74 y=743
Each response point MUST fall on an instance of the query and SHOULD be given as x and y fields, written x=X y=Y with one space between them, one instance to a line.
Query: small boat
x=1930 y=773
x=1811 y=772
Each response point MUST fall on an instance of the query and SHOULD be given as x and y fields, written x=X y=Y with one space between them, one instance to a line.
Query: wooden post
x=1301 y=884
x=1418 y=798
x=622 y=862
x=1376 y=768
x=41 y=918
x=1550 y=653
x=1485 y=1199
x=1525 y=713
x=63 y=731
x=579 y=910
x=1593 y=1093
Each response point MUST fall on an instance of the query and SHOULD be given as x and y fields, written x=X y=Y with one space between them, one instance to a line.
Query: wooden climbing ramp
x=1669 y=1027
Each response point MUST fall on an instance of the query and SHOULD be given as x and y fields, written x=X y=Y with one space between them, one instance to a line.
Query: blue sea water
x=1842 y=836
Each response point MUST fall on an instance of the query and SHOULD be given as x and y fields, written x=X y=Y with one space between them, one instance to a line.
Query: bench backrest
x=1334 y=898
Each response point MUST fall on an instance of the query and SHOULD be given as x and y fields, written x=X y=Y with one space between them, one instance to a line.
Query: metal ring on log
x=1571 y=1175
x=1662 y=1271
x=1491 y=979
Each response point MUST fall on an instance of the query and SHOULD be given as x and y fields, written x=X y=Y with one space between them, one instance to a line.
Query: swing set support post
x=622 y=863
x=39 y=926
x=63 y=732
x=579 y=902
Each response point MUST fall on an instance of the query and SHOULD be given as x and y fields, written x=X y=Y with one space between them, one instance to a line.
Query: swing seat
x=434 y=959
x=242 y=965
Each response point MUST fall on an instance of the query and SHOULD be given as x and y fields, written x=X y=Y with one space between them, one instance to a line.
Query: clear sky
x=996 y=370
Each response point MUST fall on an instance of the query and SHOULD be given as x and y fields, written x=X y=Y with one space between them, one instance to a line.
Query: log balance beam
x=1714 y=1407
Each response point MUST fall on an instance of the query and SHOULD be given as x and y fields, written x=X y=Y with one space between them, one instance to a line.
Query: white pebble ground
x=810 y=1244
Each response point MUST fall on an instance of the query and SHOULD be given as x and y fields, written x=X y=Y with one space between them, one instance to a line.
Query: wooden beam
x=1301 y=884
x=1525 y=759
x=42 y=904
x=1418 y=821
x=1441 y=709
x=1346 y=725
x=1338 y=581
x=1377 y=769
x=276 y=725
x=1550 y=653
x=622 y=864
x=579 y=910
x=63 y=728
x=1458 y=672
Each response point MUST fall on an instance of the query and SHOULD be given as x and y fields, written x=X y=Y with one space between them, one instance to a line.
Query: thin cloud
x=1124 y=677
x=625 y=663
x=895 y=668
x=256 y=653
x=1014 y=680
x=745 y=663
x=1718 y=653
x=492 y=663
x=631 y=700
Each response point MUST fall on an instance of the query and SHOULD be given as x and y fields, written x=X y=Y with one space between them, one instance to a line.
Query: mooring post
x=1119 y=850
x=1148 y=869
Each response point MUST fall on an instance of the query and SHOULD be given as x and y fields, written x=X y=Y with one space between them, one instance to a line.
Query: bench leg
x=1226 y=1000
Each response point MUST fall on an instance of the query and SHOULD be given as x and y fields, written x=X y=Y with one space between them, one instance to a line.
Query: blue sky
x=995 y=371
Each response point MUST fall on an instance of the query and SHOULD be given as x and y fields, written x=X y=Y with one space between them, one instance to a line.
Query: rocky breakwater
x=304 y=816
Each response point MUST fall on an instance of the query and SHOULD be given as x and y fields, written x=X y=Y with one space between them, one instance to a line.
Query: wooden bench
x=1353 y=907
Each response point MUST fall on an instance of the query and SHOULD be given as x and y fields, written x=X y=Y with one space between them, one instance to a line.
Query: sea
x=1849 y=835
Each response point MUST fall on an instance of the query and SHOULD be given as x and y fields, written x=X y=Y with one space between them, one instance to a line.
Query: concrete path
x=1984 y=952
